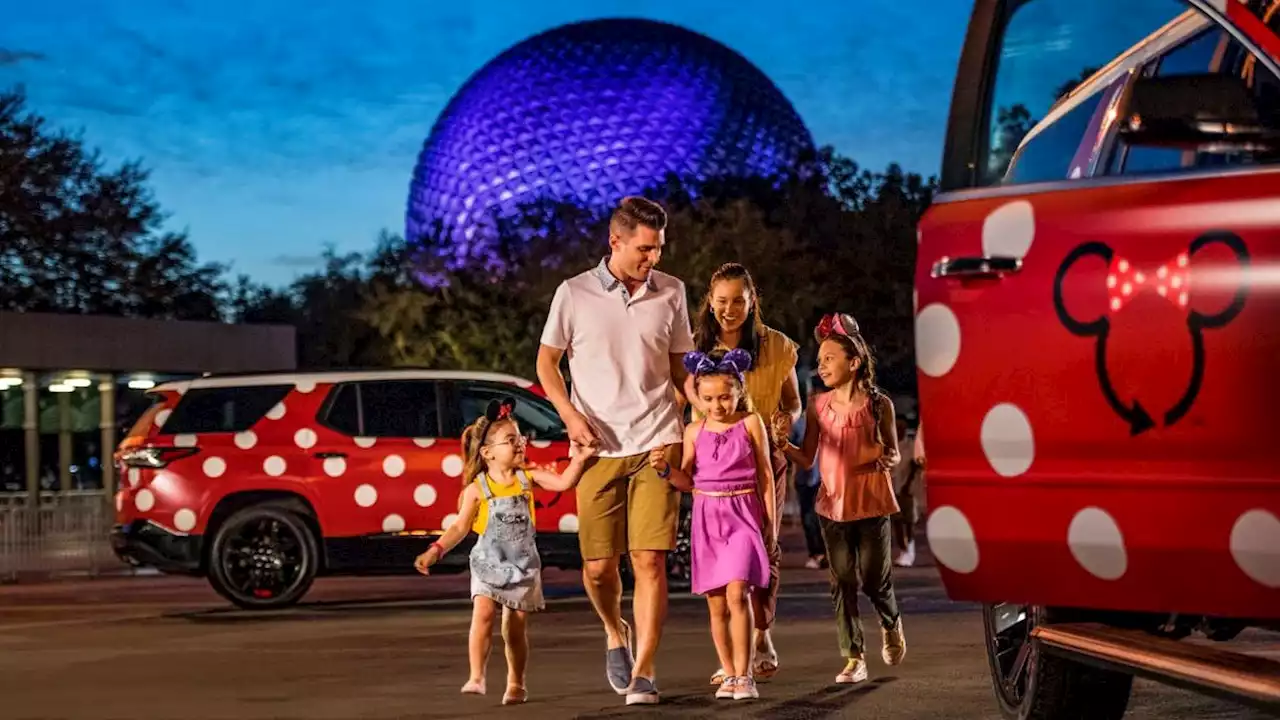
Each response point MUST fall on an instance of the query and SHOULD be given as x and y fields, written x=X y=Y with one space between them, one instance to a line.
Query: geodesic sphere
x=591 y=112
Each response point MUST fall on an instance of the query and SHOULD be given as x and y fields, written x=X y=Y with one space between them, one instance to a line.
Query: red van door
x=1097 y=311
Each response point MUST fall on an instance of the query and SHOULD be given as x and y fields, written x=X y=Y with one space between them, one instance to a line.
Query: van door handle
x=324 y=455
x=976 y=266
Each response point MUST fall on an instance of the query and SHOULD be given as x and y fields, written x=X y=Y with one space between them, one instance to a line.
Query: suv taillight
x=155 y=457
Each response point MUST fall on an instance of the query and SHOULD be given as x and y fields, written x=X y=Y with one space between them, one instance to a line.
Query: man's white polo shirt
x=619 y=349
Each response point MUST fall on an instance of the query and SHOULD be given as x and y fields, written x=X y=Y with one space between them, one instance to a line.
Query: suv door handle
x=323 y=455
x=976 y=266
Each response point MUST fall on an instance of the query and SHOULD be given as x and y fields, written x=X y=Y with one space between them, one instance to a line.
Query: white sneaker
x=725 y=691
x=855 y=671
x=745 y=689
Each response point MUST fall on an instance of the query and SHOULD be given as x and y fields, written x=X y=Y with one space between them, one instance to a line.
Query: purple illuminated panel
x=594 y=111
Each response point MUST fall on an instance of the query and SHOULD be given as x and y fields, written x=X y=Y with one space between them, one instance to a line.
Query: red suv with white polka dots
x=1096 y=340
x=261 y=482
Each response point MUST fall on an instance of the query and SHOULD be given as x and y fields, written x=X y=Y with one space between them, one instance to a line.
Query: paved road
x=375 y=648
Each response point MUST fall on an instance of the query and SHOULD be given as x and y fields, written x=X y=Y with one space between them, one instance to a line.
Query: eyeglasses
x=517 y=441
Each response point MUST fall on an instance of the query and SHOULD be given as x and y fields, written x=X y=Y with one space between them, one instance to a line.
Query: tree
x=76 y=237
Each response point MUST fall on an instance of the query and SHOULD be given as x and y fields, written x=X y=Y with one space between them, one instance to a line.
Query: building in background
x=72 y=385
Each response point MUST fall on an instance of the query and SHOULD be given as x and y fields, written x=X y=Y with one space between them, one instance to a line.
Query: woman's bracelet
x=440 y=551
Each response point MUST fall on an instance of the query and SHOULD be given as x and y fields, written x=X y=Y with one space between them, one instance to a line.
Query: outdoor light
x=8 y=382
x=77 y=382
x=61 y=388
x=141 y=384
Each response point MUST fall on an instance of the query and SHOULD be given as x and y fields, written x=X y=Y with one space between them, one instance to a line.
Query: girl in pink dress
x=726 y=465
x=851 y=433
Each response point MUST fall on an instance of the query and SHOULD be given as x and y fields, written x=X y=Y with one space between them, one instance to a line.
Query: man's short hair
x=635 y=211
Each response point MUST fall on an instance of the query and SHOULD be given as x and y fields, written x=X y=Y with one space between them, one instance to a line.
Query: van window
x=399 y=408
x=223 y=409
x=1047 y=48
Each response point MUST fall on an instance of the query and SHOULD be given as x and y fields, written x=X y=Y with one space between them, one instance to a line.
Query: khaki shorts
x=623 y=505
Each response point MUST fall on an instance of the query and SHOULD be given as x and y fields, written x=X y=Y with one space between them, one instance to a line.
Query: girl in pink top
x=851 y=433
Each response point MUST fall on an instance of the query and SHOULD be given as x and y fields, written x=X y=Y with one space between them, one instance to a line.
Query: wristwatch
x=664 y=474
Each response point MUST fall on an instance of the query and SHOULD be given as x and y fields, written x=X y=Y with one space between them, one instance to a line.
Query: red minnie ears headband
x=500 y=409
x=835 y=324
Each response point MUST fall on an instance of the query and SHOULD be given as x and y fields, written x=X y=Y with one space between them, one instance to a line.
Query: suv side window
x=385 y=408
x=399 y=408
x=1212 y=51
x=537 y=417
x=223 y=409
x=1046 y=49
x=1047 y=156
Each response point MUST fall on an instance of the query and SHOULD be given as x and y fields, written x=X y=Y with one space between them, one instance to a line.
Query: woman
x=730 y=318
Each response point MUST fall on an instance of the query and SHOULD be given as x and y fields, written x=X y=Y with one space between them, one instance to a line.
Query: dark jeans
x=859 y=556
x=807 y=497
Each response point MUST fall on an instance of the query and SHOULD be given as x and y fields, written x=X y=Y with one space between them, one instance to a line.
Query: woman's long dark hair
x=707 y=331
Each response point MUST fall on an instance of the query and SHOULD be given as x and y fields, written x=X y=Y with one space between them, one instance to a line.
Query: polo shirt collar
x=610 y=283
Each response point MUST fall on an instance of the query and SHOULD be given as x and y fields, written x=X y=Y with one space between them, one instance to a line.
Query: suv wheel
x=1032 y=685
x=263 y=556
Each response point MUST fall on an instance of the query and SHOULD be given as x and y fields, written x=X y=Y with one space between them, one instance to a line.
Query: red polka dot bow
x=1170 y=280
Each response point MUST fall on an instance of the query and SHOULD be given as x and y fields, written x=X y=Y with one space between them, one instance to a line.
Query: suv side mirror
x=1211 y=111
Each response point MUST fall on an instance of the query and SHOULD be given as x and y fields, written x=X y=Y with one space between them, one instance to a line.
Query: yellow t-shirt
x=778 y=355
x=482 y=516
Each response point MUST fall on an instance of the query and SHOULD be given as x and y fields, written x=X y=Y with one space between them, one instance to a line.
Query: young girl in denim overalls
x=506 y=570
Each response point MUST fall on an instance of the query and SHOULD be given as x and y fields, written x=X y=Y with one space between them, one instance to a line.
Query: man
x=906 y=483
x=625 y=327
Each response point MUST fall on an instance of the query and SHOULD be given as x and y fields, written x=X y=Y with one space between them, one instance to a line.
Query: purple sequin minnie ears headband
x=735 y=362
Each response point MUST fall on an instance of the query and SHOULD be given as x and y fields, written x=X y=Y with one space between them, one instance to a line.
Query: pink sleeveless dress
x=726 y=537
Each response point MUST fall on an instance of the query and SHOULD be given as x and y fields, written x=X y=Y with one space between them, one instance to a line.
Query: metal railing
x=58 y=534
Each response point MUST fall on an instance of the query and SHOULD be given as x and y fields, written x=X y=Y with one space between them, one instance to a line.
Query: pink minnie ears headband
x=835 y=324
x=735 y=362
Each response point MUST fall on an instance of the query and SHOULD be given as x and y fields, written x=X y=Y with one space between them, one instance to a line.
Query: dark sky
x=275 y=128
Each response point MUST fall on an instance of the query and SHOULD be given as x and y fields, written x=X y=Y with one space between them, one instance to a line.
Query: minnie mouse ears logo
x=499 y=409
x=1170 y=280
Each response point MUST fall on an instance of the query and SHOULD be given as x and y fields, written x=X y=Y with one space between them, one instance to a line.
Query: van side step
x=1213 y=671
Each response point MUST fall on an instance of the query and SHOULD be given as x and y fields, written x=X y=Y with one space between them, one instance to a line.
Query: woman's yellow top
x=778 y=355
x=498 y=490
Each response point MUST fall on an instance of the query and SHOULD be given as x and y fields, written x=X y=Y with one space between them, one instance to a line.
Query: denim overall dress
x=505 y=565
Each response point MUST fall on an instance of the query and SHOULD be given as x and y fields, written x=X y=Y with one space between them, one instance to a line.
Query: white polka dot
x=951 y=539
x=276 y=412
x=452 y=465
x=1007 y=440
x=144 y=500
x=393 y=466
x=366 y=495
x=424 y=495
x=1255 y=545
x=424 y=442
x=1009 y=230
x=305 y=438
x=305 y=386
x=162 y=416
x=540 y=443
x=161 y=483
x=366 y=442
x=1096 y=543
x=335 y=466
x=184 y=441
x=448 y=521
x=937 y=340
x=214 y=467
x=135 y=477
x=246 y=440
x=184 y=520
x=392 y=523
x=119 y=501
x=274 y=466
x=569 y=523
x=522 y=383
